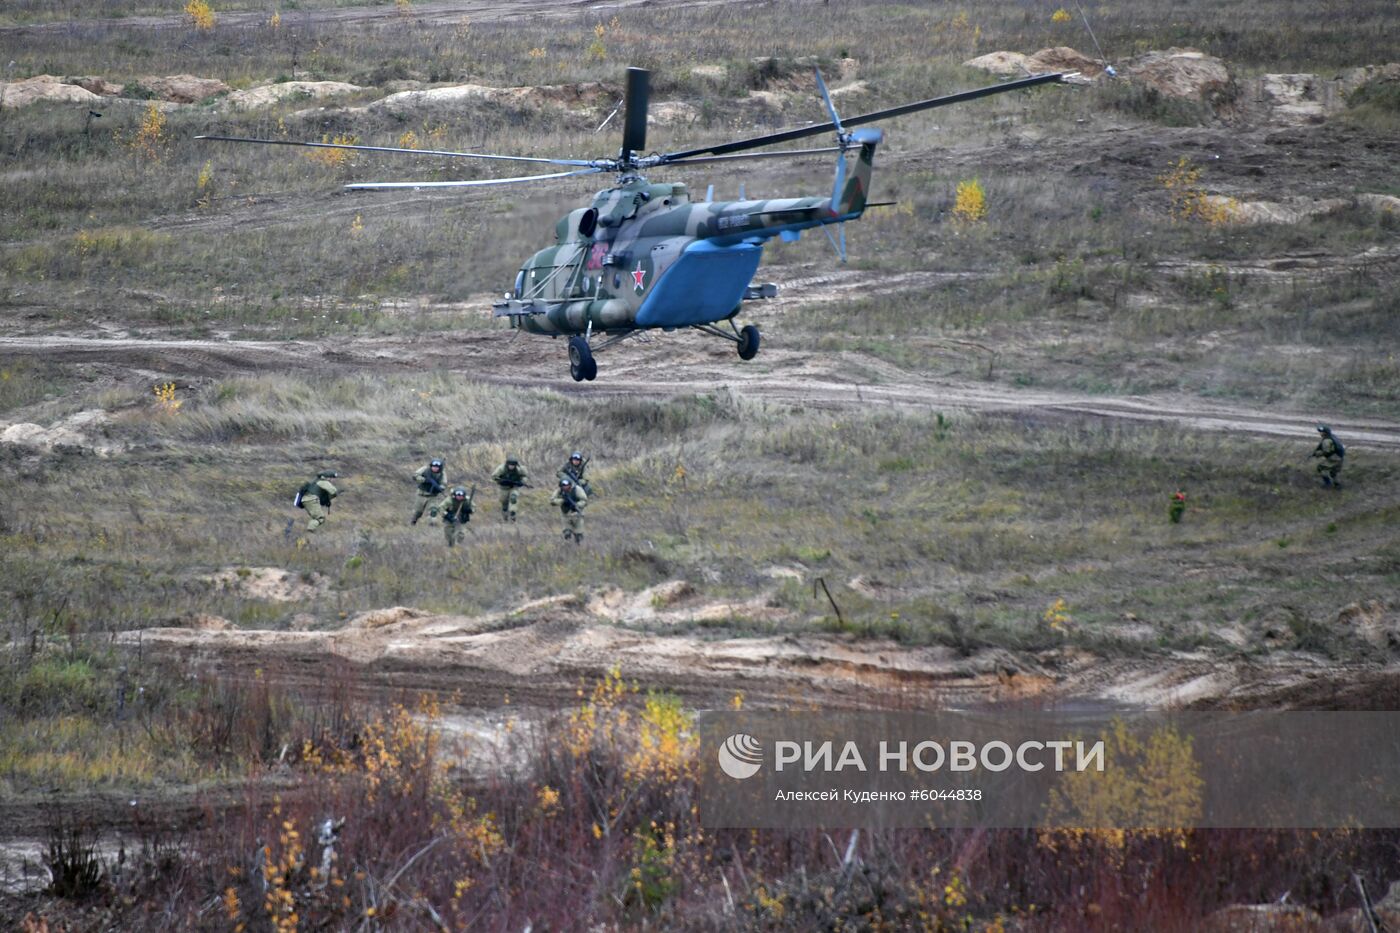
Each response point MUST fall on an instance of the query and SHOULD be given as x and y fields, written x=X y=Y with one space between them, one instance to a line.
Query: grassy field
x=990 y=518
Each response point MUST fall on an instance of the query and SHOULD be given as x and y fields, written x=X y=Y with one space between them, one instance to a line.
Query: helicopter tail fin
x=849 y=193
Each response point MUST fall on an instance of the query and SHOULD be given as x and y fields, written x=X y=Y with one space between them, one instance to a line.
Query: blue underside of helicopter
x=705 y=285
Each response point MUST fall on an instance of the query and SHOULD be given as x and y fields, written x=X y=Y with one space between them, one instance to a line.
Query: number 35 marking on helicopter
x=644 y=256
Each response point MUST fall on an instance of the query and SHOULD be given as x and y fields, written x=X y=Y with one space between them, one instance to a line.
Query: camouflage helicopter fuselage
x=644 y=255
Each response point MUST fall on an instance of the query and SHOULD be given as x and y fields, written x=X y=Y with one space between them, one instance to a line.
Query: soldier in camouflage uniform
x=571 y=500
x=456 y=511
x=511 y=477
x=316 y=498
x=429 y=480
x=1331 y=451
x=574 y=470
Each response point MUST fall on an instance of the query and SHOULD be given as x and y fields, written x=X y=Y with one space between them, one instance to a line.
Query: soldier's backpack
x=302 y=492
x=1341 y=451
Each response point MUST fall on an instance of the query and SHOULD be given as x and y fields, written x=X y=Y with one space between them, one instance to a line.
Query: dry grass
x=1027 y=512
x=598 y=827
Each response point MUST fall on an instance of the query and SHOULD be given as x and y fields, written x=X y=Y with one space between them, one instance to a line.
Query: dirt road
x=440 y=13
x=677 y=364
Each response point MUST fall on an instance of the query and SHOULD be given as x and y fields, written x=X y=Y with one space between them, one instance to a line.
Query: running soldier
x=316 y=498
x=456 y=511
x=429 y=480
x=571 y=500
x=1332 y=452
x=511 y=477
x=574 y=470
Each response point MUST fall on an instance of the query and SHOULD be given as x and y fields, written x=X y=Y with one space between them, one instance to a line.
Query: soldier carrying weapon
x=1332 y=452
x=574 y=470
x=571 y=500
x=456 y=511
x=511 y=477
x=429 y=480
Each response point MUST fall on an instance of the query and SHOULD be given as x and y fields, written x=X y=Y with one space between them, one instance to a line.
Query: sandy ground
x=539 y=654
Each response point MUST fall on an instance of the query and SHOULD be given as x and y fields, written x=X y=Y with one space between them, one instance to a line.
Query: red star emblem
x=639 y=276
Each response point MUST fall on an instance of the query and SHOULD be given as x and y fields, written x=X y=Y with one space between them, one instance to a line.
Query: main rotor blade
x=782 y=154
x=634 y=129
x=473 y=183
x=826 y=99
x=818 y=129
x=431 y=152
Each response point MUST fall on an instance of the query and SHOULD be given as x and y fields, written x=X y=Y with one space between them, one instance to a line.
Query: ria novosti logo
x=741 y=756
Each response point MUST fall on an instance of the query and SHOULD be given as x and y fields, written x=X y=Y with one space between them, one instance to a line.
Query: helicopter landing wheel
x=582 y=365
x=748 y=342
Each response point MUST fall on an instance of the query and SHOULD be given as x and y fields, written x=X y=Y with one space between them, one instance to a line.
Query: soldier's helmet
x=511 y=461
x=435 y=464
x=327 y=474
x=459 y=493
x=1323 y=429
x=565 y=483
x=575 y=456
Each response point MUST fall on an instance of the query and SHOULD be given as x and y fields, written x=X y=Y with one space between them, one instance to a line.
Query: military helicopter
x=643 y=255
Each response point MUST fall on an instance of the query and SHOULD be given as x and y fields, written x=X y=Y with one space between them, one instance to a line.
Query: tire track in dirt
x=440 y=13
x=785 y=377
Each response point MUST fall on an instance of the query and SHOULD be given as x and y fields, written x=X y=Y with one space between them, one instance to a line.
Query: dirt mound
x=200 y=622
x=676 y=602
x=1372 y=622
x=81 y=433
x=852 y=90
x=1380 y=202
x=589 y=97
x=99 y=86
x=1018 y=64
x=269 y=94
x=1296 y=99
x=378 y=618
x=16 y=94
x=1303 y=99
x=1353 y=78
x=1186 y=74
x=1064 y=58
x=183 y=89
x=1000 y=63
x=271 y=583
x=672 y=113
x=1293 y=211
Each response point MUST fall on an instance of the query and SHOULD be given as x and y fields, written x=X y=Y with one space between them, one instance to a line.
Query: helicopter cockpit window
x=519 y=283
x=587 y=224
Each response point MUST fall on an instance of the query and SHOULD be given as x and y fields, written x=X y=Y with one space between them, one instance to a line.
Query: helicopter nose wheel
x=582 y=365
x=748 y=342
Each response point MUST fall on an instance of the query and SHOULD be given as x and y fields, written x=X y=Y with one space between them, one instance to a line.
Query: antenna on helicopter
x=634 y=127
x=620 y=102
